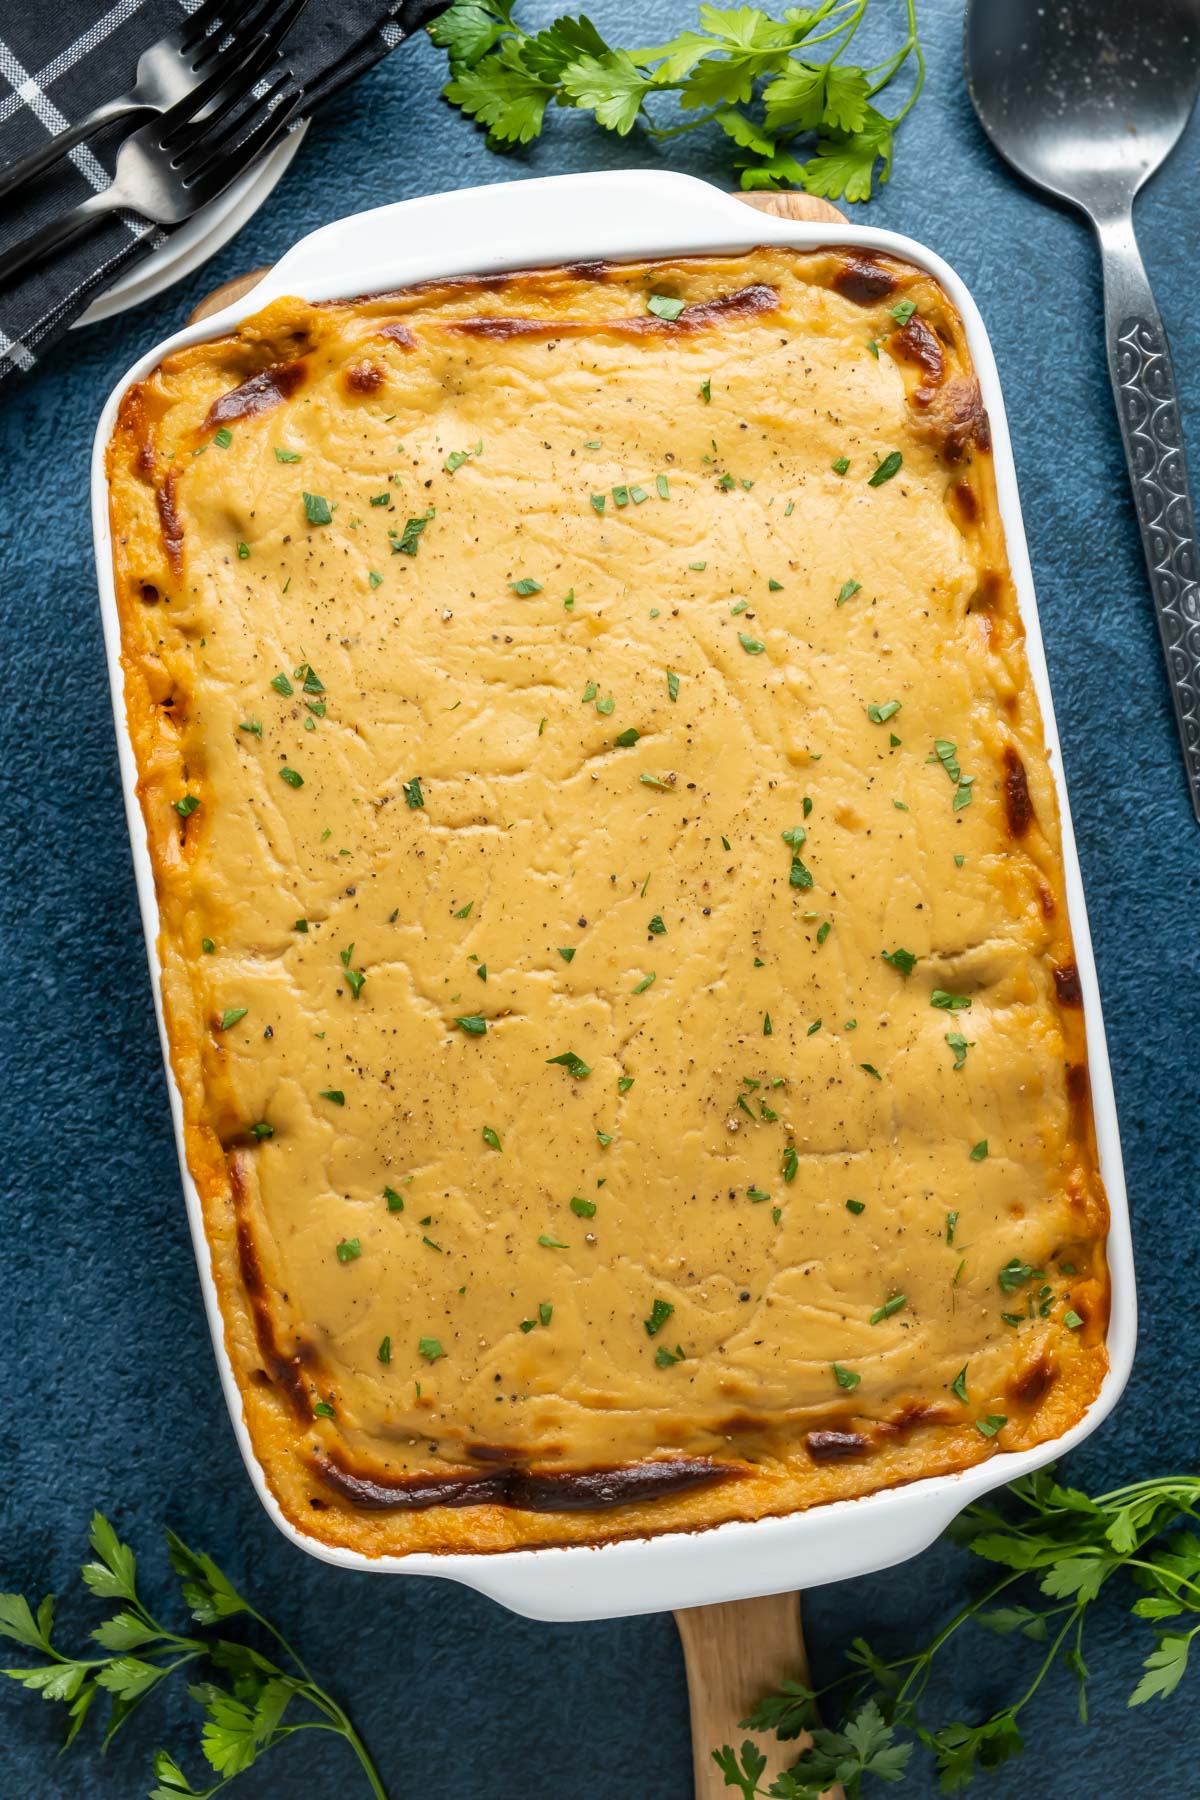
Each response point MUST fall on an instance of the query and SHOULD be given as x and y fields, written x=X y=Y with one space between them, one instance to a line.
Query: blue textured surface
x=108 y=1380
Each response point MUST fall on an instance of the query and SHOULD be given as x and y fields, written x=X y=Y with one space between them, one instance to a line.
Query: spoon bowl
x=1086 y=99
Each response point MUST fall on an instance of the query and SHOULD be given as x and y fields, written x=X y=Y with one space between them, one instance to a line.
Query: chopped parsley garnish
x=624 y=1083
x=856 y=1206
x=757 y=1194
x=664 y=1358
x=282 y=685
x=317 y=510
x=223 y=437
x=430 y=1349
x=791 y=1163
x=959 y=1045
x=395 y=1201
x=706 y=390
x=262 y=1130
x=526 y=585
x=871 y=1070
x=323 y=1410
x=464 y=912
x=848 y=590
x=583 y=1209
x=1072 y=1321
x=1015 y=1274
x=660 y=1312
x=491 y=1138
x=979 y=1151
x=656 y=926
x=655 y=781
x=574 y=1065
x=187 y=806
x=253 y=726
x=567 y=952
x=549 y=1243
x=752 y=646
x=384 y=1352
x=888 y=467
x=993 y=1423
x=845 y=1378
x=349 y=1250
x=243 y=550
x=292 y=776
x=888 y=1308
x=949 y=1002
x=645 y=982
x=374 y=578
x=672 y=685
x=356 y=981
x=768 y=1028
x=663 y=307
x=473 y=1024
x=286 y=456
x=232 y=1015
x=841 y=465
x=879 y=715
x=903 y=311
x=334 y=1095
x=409 y=539
x=958 y=1387
x=412 y=792
x=951 y=1226
x=661 y=483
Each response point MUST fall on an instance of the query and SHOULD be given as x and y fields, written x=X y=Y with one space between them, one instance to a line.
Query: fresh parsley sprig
x=1059 y=1542
x=796 y=111
x=249 y=1702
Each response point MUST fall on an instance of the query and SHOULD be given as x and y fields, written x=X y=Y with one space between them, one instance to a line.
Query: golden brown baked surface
x=613 y=936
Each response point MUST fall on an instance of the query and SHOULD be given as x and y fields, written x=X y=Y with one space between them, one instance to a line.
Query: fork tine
x=232 y=129
x=241 y=26
x=198 y=24
x=211 y=178
x=232 y=75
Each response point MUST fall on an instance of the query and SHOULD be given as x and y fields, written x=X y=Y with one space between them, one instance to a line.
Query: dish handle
x=734 y=1654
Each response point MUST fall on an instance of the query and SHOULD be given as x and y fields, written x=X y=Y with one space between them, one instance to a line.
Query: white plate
x=202 y=236
x=582 y=218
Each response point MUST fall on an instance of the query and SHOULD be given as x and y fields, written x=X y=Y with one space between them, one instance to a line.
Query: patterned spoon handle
x=1139 y=361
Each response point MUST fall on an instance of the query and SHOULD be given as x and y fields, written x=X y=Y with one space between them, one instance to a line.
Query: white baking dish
x=564 y=219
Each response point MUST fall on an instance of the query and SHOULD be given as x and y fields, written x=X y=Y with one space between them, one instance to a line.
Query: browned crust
x=833 y=1446
x=743 y=304
x=268 y=389
x=172 y=524
x=1018 y=806
x=529 y=1490
x=863 y=279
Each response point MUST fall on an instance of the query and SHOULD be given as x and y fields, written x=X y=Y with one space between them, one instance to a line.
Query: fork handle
x=57 y=231
x=1139 y=361
x=18 y=173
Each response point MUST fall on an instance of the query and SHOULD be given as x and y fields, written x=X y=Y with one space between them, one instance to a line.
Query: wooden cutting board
x=733 y=1653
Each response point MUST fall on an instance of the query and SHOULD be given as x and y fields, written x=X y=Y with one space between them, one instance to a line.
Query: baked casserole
x=614 y=946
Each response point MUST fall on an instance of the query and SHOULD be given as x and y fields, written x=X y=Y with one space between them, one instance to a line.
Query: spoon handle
x=1139 y=361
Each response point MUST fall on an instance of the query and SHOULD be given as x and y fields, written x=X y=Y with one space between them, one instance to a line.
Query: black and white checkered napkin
x=58 y=61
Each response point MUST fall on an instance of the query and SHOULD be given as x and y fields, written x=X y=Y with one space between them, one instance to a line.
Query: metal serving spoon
x=1086 y=98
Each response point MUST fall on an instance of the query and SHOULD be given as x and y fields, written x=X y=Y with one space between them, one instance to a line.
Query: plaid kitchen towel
x=58 y=61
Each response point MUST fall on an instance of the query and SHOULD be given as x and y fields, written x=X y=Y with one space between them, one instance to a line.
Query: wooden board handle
x=734 y=1654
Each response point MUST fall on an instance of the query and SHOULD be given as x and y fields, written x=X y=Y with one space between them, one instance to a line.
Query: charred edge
x=966 y=500
x=1077 y=1083
x=284 y=1371
x=916 y=1412
x=916 y=343
x=958 y=417
x=591 y=1490
x=258 y=395
x=1018 y=807
x=835 y=1446
x=1032 y=1383
x=862 y=279
x=363 y=378
x=745 y=303
x=1066 y=983
x=590 y=271
x=397 y=333
x=172 y=524
x=1046 y=900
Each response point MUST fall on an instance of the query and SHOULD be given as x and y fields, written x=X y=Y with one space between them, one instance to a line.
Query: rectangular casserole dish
x=570 y=220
